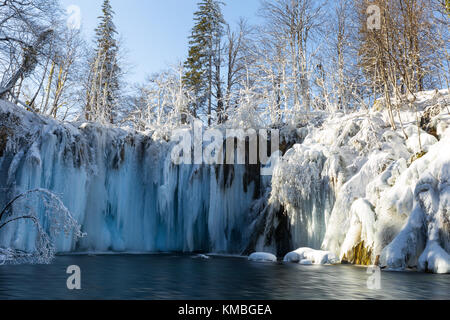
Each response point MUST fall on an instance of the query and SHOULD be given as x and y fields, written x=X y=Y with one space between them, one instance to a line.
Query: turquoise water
x=184 y=277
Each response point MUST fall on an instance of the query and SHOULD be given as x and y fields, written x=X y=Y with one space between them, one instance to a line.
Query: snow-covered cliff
x=352 y=186
x=370 y=194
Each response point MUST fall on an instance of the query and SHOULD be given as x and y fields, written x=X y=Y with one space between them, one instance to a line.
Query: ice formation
x=262 y=257
x=348 y=186
x=122 y=187
x=310 y=256
x=58 y=218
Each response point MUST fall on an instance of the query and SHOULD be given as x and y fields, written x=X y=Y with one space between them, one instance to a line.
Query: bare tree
x=163 y=102
x=60 y=218
x=25 y=28
x=28 y=64
x=398 y=58
x=294 y=23
x=239 y=55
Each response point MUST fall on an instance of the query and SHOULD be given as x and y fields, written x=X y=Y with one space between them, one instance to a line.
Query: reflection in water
x=182 y=277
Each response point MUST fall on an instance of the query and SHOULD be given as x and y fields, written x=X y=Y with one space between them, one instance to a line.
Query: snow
x=348 y=179
x=422 y=240
x=418 y=142
x=262 y=257
x=362 y=227
x=298 y=186
x=434 y=259
x=311 y=256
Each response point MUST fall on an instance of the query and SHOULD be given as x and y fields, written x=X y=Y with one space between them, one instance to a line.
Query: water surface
x=183 y=277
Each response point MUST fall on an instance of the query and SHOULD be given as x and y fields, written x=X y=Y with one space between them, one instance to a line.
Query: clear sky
x=155 y=32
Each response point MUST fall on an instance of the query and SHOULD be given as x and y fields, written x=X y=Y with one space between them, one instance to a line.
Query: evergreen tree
x=103 y=91
x=204 y=61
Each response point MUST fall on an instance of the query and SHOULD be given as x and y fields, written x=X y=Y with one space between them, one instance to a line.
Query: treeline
x=306 y=56
x=40 y=58
x=47 y=67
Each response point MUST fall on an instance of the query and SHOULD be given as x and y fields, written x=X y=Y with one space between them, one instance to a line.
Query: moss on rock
x=359 y=255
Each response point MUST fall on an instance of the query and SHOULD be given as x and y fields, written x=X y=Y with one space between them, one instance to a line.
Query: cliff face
x=354 y=187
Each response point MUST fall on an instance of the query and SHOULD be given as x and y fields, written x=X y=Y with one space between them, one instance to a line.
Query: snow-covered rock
x=418 y=140
x=122 y=187
x=434 y=259
x=361 y=230
x=363 y=191
x=262 y=257
x=425 y=239
x=311 y=256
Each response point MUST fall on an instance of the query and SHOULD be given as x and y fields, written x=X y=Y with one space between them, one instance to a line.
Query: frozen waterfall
x=123 y=188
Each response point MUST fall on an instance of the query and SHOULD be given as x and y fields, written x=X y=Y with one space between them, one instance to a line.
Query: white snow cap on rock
x=262 y=257
x=355 y=181
x=424 y=241
x=311 y=256
x=362 y=227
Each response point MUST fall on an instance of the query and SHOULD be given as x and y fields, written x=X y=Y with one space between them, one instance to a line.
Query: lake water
x=184 y=277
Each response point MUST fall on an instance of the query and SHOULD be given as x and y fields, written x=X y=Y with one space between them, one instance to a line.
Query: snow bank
x=262 y=257
x=311 y=256
x=351 y=186
x=434 y=259
x=419 y=140
x=398 y=195
x=364 y=192
x=425 y=239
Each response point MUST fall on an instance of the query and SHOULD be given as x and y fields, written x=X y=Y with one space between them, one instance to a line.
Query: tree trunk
x=28 y=63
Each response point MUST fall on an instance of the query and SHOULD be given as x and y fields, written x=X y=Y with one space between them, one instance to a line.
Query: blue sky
x=155 y=32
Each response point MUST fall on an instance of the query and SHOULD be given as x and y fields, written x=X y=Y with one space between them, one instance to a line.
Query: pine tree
x=103 y=90
x=204 y=61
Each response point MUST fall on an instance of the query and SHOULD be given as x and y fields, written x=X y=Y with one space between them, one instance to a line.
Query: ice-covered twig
x=60 y=220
